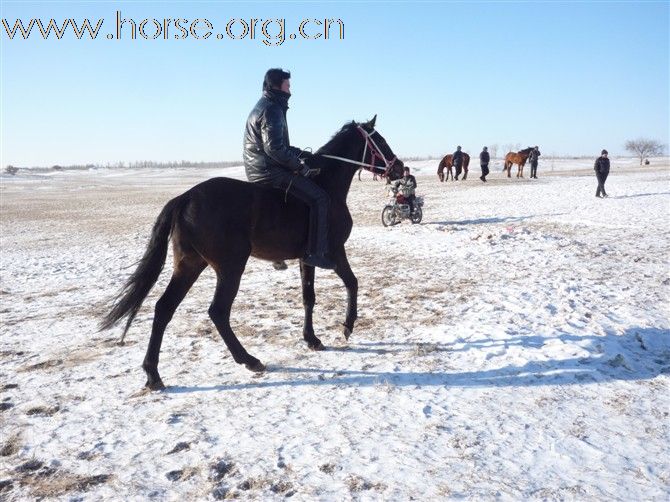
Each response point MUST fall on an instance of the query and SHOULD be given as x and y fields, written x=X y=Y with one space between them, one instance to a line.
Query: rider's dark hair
x=274 y=78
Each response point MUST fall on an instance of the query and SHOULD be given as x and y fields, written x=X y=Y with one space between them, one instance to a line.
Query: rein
x=375 y=153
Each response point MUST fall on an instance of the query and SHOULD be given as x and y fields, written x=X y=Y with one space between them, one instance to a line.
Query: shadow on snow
x=638 y=354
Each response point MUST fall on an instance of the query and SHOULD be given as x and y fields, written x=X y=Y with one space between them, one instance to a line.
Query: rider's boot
x=318 y=242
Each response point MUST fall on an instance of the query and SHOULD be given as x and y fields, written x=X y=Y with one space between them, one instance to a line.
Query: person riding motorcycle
x=407 y=187
x=269 y=159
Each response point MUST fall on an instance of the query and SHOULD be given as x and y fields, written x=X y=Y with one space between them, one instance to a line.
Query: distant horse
x=222 y=221
x=519 y=158
x=447 y=162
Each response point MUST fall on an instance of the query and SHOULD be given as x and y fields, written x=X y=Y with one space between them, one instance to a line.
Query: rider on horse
x=270 y=159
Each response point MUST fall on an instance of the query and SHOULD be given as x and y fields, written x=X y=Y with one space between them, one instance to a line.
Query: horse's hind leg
x=186 y=272
x=228 y=278
x=343 y=270
x=308 y=299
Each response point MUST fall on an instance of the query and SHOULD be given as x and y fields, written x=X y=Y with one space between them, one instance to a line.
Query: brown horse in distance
x=447 y=162
x=518 y=158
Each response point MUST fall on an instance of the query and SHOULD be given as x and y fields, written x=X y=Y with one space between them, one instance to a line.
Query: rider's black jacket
x=266 y=141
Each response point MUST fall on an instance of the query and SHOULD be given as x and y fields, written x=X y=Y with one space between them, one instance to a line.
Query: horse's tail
x=137 y=287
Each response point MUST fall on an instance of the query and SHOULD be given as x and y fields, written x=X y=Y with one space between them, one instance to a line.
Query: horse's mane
x=337 y=138
x=526 y=150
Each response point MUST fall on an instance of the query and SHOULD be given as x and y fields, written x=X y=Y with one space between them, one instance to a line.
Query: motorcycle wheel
x=387 y=216
x=417 y=215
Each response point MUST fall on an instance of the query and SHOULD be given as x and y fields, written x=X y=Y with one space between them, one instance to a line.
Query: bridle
x=375 y=153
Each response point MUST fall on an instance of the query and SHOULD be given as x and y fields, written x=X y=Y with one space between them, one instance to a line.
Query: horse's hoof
x=347 y=332
x=257 y=367
x=156 y=385
x=316 y=346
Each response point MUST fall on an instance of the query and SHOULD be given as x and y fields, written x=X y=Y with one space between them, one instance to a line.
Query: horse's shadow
x=638 y=354
x=497 y=219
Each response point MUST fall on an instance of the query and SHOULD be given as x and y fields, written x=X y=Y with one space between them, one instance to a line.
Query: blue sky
x=572 y=77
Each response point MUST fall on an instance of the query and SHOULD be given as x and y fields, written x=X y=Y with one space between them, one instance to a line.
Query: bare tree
x=493 y=150
x=643 y=147
x=507 y=147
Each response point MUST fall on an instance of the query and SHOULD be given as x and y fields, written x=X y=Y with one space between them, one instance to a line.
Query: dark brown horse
x=519 y=158
x=222 y=221
x=447 y=162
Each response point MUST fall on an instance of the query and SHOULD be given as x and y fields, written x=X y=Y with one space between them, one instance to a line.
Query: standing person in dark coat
x=484 y=159
x=602 y=169
x=457 y=161
x=269 y=159
x=533 y=158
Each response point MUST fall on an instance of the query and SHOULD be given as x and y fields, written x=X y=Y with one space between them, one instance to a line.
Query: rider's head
x=276 y=78
x=458 y=147
x=406 y=171
x=486 y=148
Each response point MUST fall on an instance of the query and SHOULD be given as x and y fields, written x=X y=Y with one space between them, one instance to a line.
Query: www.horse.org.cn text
x=271 y=32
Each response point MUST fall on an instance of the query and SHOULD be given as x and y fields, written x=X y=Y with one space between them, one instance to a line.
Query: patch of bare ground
x=44 y=365
x=11 y=446
x=47 y=482
x=357 y=483
x=182 y=474
x=43 y=411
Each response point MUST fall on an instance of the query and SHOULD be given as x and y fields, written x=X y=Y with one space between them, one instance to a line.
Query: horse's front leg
x=343 y=270
x=308 y=300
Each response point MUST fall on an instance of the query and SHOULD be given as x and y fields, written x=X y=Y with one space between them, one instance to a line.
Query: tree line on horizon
x=641 y=148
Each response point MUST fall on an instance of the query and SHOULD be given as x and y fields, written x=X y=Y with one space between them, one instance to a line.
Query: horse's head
x=378 y=153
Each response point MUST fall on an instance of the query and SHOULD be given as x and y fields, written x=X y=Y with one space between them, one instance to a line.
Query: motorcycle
x=398 y=209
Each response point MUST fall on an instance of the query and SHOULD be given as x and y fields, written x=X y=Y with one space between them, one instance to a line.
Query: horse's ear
x=371 y=124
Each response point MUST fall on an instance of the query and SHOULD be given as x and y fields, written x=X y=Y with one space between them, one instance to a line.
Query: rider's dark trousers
x=533 y=169
x=485 y=170
x=459 y=169
x=311 y=194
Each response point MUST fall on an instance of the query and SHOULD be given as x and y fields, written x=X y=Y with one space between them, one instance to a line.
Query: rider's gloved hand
x=308 y=172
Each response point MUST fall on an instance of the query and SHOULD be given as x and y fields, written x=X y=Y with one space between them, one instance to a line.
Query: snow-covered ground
x=515 y=345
